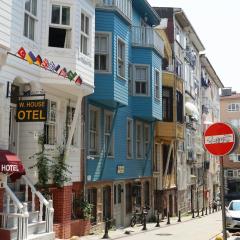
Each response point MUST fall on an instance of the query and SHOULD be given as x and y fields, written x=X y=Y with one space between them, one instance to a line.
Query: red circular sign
x=219 y=139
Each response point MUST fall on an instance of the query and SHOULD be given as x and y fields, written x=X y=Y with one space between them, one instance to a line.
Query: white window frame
x=129 y=139
x=157 y=84
x=122 y=59
x=60 y=25
x=52 y=123
x=178 y=34
x=147 y=81
x=139 y=141
x=75 y=140
x=35 y=19
x=108 y=52
x=233 y=107
x=107 y=134
x=228 y=173
x=146 y=138
x=96 y=131
x=84 y=34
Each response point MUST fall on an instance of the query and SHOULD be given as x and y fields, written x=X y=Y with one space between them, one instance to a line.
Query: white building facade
x=62 y=32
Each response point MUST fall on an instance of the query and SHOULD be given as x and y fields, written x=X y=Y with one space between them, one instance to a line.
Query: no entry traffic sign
x=220 y=139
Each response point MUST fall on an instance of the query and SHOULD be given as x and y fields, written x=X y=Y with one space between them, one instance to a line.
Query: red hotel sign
x=220 y=139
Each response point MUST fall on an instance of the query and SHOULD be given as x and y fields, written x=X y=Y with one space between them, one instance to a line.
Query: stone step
x=33 y=229
x=42 y=236
x=33 y=218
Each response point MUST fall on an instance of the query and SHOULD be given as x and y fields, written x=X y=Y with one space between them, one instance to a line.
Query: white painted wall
x=11 y=36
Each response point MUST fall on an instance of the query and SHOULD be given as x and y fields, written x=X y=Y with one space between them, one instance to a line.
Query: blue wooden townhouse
x=120 y=116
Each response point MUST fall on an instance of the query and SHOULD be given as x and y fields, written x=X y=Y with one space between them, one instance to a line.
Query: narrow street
x=204 y=228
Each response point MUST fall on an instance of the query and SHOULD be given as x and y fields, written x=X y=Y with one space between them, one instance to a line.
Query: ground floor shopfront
x=117 y=200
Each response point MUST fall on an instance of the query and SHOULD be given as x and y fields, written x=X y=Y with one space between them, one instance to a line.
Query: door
x=13 y=130
x=107 y=202
x=118 y=204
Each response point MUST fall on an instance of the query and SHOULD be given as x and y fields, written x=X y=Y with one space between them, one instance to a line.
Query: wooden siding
x=147 y=107
x=133 y=167
x=108 y=86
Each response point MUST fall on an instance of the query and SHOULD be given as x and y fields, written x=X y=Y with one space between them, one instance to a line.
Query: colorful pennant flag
x=51 y=66
x=28 y=58
x=63 y=72
x=38 y=60
x=78 y=80
x=31 y=55
x=31 y=58
x=57 y=68
x=71 y=75
x=21 y=52
x=45 y=63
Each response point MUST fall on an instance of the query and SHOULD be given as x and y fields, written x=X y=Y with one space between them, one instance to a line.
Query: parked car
x=233 y=215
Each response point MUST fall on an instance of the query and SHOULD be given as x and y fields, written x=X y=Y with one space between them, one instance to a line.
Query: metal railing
x=123 y=7
x=147 y=37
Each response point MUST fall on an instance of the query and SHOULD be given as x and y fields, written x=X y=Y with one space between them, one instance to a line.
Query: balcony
x=123 y=7
x=146 y=37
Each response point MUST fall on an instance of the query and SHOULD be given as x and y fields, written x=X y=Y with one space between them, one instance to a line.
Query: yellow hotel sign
x=31 y=111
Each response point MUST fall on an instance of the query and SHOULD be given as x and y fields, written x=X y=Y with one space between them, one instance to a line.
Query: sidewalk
x=137 y=229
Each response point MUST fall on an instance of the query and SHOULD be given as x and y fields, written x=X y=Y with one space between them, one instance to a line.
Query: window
x=119 y=193
x=50 y=124
x=60 y=28
x=179 y=97
x=70 y=115
x=108 y=119
x=178 y=68
x=233 y=107
x=128 y=189
x=121 y=58
x=129 y=138
x=146 y=139
x=178 y=34
x=30 y=19
x=139 y=140
x=102 y=52
x=167 y=103
x=94 y=131
x=85 y=38
x=130 y=79
x=230 y=173
x=157 y=85
x=141 y=80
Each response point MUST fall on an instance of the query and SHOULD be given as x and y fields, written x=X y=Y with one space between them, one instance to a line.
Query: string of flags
x=49 y=65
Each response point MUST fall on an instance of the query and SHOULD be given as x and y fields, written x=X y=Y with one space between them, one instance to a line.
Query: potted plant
x=83 y=213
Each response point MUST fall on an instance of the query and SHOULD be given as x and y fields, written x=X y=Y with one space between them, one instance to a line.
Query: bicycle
x=138 y=217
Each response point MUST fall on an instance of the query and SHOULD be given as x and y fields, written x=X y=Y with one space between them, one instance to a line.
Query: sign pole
x=223 y=199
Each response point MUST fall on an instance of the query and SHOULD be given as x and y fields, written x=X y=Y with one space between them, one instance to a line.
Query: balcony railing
x=123 y=7
x=147 y=37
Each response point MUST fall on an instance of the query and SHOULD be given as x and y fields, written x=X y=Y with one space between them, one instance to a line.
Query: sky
x=217 y=24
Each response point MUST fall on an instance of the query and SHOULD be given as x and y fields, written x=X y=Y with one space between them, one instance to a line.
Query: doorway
x=118 y=204
x=107 y=202
x=13 y=130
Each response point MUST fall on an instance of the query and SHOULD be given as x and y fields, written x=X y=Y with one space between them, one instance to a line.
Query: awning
x=10 y=164
x=192 y=110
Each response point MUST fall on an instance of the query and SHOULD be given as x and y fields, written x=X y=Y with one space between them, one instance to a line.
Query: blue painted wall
x=110 y=89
